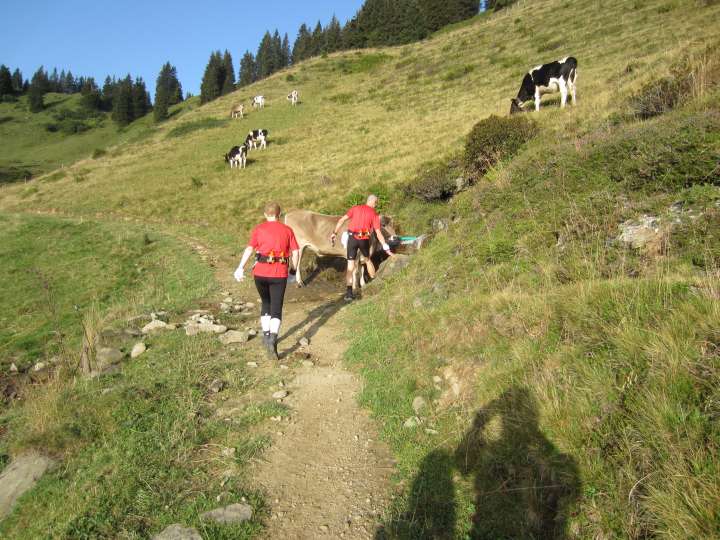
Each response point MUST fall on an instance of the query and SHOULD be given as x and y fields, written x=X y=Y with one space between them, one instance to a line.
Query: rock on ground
x=217 y=386
x=205 y=328
x=280 y=394
x=106 y=357
x=138 y=349
x=234 y=336
x=154 y=326
x=419 y=404
x=178 y=532
x=20 y=476
x=392 y=265
x=235 y=513
x=412 y=422
x=637 y=234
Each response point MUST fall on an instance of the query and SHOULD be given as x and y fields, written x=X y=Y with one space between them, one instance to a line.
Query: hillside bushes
x=689 y=77
x=490 y=140
x=495 y=138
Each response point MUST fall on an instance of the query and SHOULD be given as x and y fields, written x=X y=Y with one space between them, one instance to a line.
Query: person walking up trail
x=363 y=221
x=275 y=248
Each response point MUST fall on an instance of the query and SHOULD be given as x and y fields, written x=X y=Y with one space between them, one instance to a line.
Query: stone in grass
x=412 y=422
x=138 y=349
x=235 y=513
x=154 y=326
x=304 y=342
x=205 y=328
x=178 y=532
x=308 y=363
x=280 y=394
x=13 y=368
x=419 y=404
x=252 y=364
x=106 y=357
x=218 y=385
x=234 y=336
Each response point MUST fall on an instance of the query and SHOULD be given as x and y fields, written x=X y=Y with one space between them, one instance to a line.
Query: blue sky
x=99 y=38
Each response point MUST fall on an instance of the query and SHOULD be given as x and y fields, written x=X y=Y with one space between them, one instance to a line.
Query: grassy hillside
x=571 y=381
x=59 y=136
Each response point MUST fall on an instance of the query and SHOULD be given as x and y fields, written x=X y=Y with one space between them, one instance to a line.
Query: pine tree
x=37 y=90
x=228 y=84
x=91 y=98
x=277 y=52
x=211 y=85
x=168 y=91
x=303 y=43
x=6 y=82
x=139 y=99
x=247 y=70
x=351 y=36
x=108 y=93
x=285 y=53
x=265 y=58
x=54 y=82
x=17 y=80
x=318 y=40
x=123 y=113
x=333 y=36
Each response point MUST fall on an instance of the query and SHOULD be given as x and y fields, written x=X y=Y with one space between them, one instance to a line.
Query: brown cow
x=238 y=110
x=313 y=231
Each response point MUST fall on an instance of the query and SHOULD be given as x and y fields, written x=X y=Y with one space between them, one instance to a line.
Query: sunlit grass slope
x=373 y=116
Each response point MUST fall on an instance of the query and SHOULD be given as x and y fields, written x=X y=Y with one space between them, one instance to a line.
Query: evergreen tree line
x=13 y=84
x=377 y=23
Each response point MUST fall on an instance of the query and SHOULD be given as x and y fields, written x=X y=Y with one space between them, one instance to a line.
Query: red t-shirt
x=276 y=238
x=363 y=219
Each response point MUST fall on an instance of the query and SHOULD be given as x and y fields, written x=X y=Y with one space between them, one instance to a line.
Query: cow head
x=516 y=106
x=388 y=230
x=227 y=158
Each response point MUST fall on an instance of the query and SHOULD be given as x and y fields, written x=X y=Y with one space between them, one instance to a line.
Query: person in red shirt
x=364 y=220
x=276 y=247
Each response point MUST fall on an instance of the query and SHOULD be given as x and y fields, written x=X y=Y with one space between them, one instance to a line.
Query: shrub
x=98 y=153
x=690 y=77
x=436 y=181
x=359 y=196
x=290 y=77
x=10 y=174
x=495 y=138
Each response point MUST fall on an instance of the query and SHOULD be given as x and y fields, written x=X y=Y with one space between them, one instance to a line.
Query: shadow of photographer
x=523 y=485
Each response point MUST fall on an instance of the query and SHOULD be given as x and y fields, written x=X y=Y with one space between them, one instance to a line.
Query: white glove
x=239 y=274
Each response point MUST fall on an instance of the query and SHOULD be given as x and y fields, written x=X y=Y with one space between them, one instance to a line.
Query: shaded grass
x=197 y=125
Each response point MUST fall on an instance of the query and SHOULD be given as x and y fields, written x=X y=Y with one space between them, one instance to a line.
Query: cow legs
x=572 y=92
x=563 y=94
x=537 y=100
x=298 y=277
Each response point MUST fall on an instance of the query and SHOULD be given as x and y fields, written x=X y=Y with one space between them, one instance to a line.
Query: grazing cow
x=259 y=102
x=237 y=111
x=293 y=97
x=313 y=231
x=257 y=136
x=558 y=76
x=237 y=157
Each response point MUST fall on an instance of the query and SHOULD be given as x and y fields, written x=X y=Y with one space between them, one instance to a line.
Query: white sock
x=275 y=326
x=265 y=323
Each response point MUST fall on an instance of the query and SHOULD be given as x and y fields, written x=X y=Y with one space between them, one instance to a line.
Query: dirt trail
x=326 y=475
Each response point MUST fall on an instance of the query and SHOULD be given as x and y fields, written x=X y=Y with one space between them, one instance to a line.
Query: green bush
x=98 y=153
x=436 y=181
x=496 y=138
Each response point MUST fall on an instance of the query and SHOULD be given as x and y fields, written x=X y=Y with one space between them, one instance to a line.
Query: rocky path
x=326 y=475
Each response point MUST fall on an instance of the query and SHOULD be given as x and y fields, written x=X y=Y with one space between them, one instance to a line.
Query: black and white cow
x=259 y=102
x=558 y=76
x=293 y=97
x=257 y=136
x=237 y=156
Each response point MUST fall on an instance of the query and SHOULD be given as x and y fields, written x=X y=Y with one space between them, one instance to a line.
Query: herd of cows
x=558 y=76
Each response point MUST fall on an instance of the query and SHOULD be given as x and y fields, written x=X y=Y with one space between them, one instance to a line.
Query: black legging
x=272 y=294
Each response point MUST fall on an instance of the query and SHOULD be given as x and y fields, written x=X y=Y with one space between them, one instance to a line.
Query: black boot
x=268 y=343
x=272 y=348
x=349 y=296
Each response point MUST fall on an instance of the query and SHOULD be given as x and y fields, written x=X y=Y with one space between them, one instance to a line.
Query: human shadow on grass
x=315 y=320
x=523 y=485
